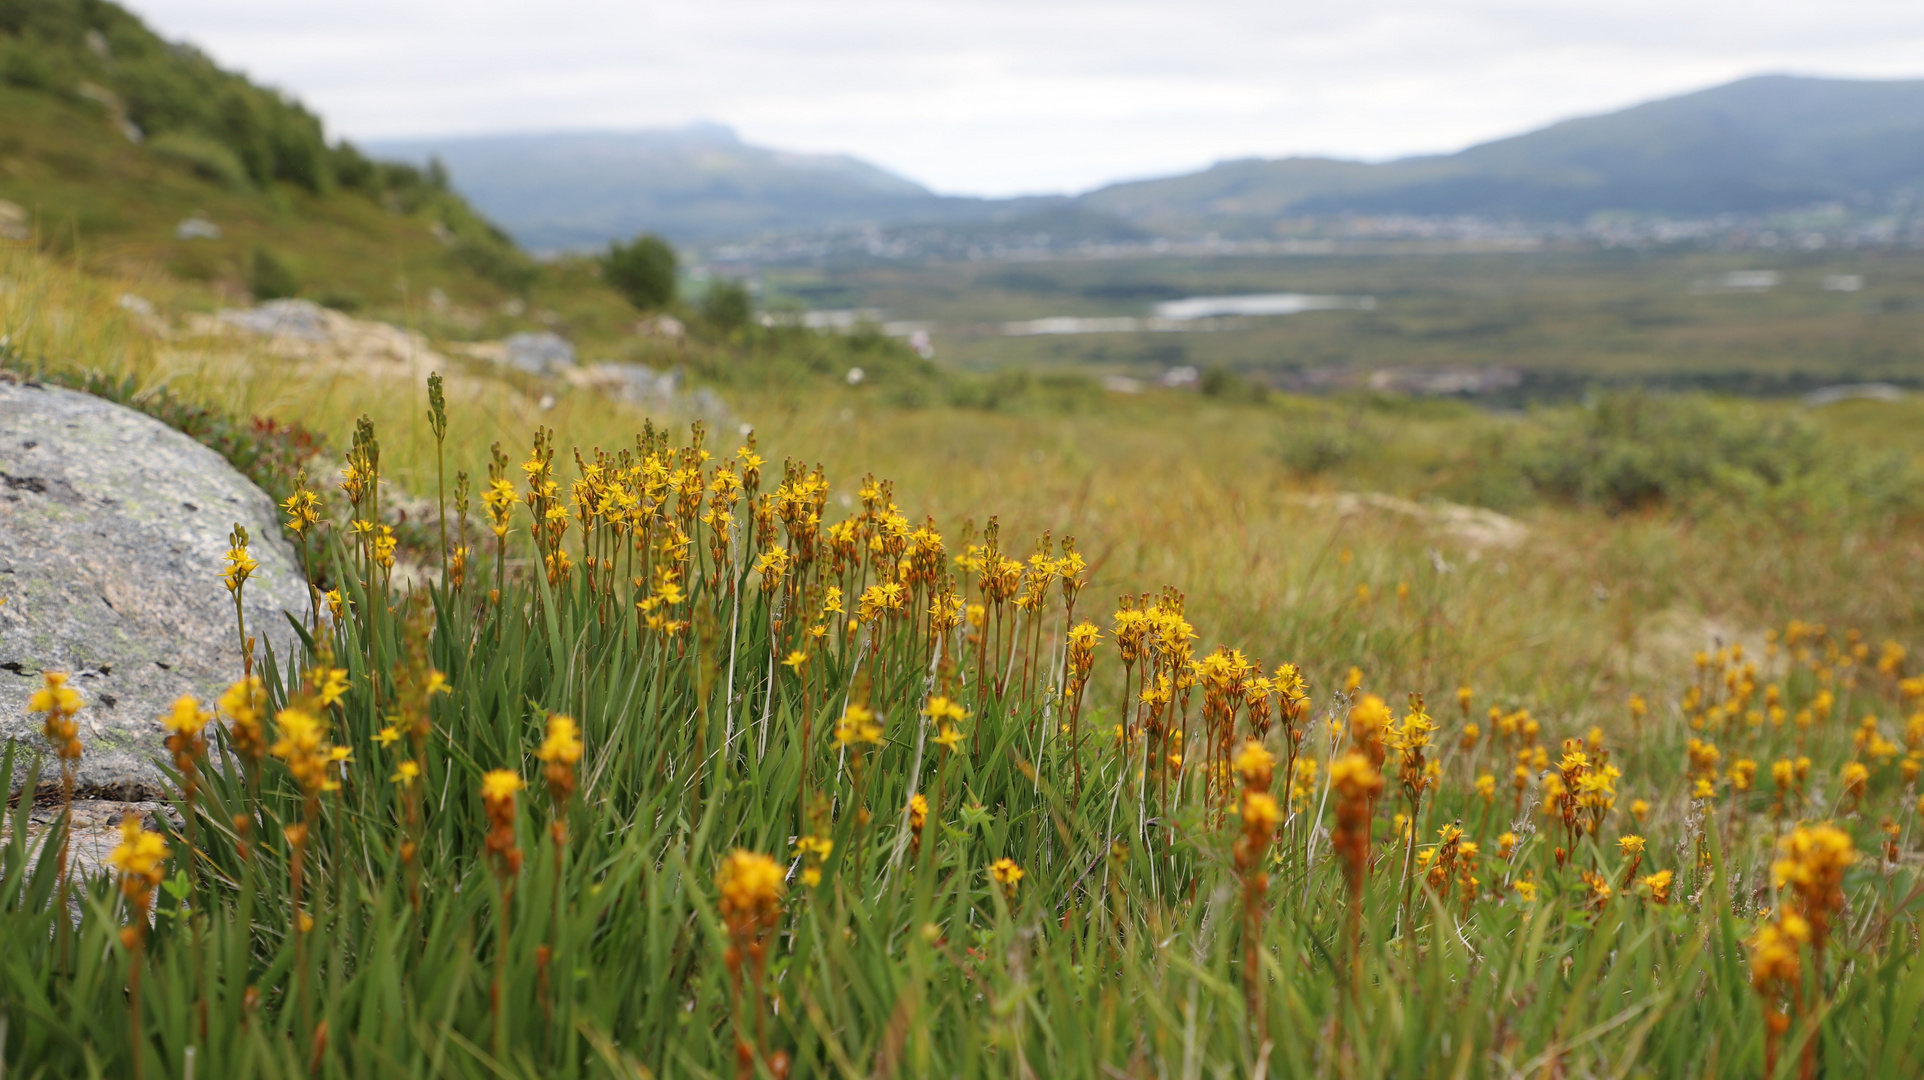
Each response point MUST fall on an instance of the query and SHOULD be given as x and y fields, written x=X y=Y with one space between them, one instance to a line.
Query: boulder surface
x=112 y=532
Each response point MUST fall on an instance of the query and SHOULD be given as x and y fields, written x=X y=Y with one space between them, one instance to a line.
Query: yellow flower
x=240 y=564
x=1255 y=764
x=562 y=746
x=1006 y=872
x=1856 y=776
x=332 y=686
x=1261 y=815
x=500 y=785
x=1354 y=777
x=1632 y=845
x=750 y=884
x=55 y=696
x=139 y=853
x=1659 y=885
x=795 y=661
x=388 y=735
x=406 y=773
x=303 y=746
x=1526 y=891
x=186 y=717
x=857 y=725
x=941 y=708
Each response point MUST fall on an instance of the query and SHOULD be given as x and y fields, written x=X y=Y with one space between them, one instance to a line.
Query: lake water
x=1192 y=313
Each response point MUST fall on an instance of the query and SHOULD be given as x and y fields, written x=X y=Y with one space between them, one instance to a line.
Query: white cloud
x=1002 y=96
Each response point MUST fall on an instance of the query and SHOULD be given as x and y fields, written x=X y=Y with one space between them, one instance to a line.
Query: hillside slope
x=1753 y=146
x=148 y=160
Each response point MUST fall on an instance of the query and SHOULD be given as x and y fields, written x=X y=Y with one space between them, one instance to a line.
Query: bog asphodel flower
x=1007 y=874
x=1357 y=784
x=1659 y=886
x=1811 y=863
x=814 y=851
x=184 y=723
x=1255 y=764
x=498 y=790
x=947 y=715
x=240 y=563
x=751 y=897
x=138 y=857
x=560 y=751
x=856 y=726
x=303 y=746
x=61 y=704
x=1369 y=728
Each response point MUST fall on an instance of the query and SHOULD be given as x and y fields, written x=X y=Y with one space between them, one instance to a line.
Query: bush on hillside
x=1311 y=445
x=726 y=306
x=1631 y=450
x=642 y=270
x=204 y=157
x=269 y=278
x=497 y=260
x=24 y=66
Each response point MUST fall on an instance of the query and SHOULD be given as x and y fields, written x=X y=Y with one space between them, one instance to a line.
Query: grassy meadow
x=1402 y=739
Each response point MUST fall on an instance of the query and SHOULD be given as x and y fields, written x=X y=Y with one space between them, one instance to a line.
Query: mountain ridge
x=693 y=184
x=1755 y=146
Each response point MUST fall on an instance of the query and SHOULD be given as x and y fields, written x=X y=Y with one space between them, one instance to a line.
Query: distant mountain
x=1762 y=144
x=1755 y=146
x=695 y=185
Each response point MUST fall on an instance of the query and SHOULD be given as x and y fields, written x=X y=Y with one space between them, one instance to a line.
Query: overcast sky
x=998 y=97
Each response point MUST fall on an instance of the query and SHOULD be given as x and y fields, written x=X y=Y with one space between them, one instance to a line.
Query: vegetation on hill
x=643 y=270
x=144 y=158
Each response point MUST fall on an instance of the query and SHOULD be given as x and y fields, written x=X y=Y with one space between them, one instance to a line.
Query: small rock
x=302 y=319
x=111 y=578
x=197 y=228
x=13 y=221
x=539 y=353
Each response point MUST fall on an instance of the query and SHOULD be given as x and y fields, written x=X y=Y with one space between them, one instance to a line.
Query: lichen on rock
x=112 y=529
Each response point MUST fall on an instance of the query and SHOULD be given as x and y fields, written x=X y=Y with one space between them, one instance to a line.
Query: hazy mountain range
x=697 y=184
x=1754 y=146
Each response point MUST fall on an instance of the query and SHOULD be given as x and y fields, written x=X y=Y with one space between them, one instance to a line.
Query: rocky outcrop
x=112 y=532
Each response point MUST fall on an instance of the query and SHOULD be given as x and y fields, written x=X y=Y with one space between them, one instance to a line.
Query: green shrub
x=643 y=270
x=497 y=261
x=1631 y=450
x=269 y=278
x=726 y=305
x=1311 y=445
x=21 y=64
x=206 y=158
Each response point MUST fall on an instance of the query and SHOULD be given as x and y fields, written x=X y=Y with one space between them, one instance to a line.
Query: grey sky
x=1006 y=96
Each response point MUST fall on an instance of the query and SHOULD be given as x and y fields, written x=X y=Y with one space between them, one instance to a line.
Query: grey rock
x=300 y=319
x=1831 y=395
x=540 y=353
x=197 y=228
x=112 y=529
